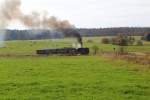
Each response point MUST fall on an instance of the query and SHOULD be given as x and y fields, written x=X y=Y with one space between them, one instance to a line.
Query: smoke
x=73 y=33
x=11 y=10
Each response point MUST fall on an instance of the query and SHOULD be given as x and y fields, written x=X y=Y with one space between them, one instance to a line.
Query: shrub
x=139 y=43
x=131 y=40
x=95 y=49
x=142 y=38
x=105 y=41
x=121 y=40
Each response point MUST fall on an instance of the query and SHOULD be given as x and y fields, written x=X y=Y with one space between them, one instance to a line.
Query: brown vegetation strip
x=134 y=58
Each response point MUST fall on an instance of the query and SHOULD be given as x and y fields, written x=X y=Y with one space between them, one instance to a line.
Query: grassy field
x=70 y=78
x=29 y=47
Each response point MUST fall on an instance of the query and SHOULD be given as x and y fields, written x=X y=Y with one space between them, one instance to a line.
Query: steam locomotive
x=64 y=51
x=67 y=51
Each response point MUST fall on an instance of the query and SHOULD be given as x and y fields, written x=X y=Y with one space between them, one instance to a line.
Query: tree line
x=135 y=31
x=85 y=32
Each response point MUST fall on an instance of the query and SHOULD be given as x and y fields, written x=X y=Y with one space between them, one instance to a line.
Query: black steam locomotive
x=64 y=51
x=67 y=51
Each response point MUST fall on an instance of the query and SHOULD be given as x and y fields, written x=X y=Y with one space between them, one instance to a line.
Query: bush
x=95 y=49
x=105 y=41
x=120 y=40
x=142 y=38
x=139 y=43
x=131 y=40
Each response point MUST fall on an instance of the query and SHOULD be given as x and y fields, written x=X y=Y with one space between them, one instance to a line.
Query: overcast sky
x=95 y=13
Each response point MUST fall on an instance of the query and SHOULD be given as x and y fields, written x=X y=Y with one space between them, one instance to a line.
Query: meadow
x=29 y=47
x=72 y=78
x=32 y=77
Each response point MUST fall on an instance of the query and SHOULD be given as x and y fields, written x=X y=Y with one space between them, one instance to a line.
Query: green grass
x=29 y=47
x=110 y=48
x=72 y=78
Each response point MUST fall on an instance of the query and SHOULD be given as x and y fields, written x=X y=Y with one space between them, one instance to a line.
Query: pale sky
x=95 y=13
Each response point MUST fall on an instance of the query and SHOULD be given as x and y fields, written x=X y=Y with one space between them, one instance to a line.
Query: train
x=64 y=51
x=67 y=51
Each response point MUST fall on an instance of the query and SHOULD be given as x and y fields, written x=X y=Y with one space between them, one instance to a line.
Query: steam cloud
x=11 y=10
